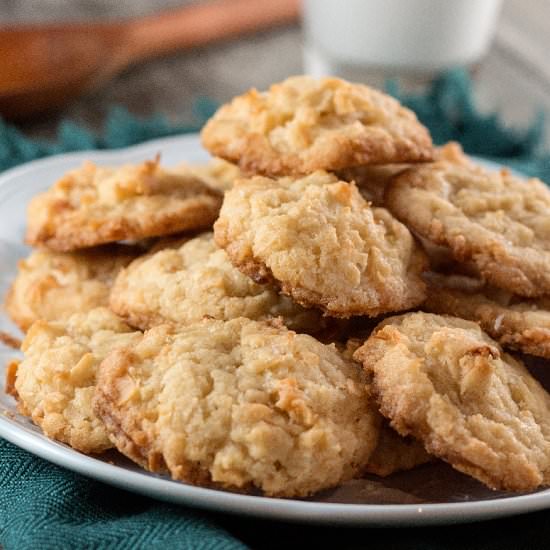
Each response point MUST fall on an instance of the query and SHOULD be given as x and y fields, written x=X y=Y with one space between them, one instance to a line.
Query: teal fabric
x=43 y=506
x=121 y=130
x=448 y=110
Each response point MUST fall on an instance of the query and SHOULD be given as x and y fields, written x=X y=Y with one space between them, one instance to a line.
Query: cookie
x=55 y=381
x=182 y=285
x=94 y=205
x=217 y=173
x=495 y=220
x=515 y=322
x=444 y=381
x=373 y=180
x=53 y=285
x=394 y=453
x=320 y=241
x=305 y=124
x=239 y=404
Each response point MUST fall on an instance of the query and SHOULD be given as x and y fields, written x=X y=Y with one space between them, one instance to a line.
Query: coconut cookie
x=94 y=205
x=196 y=280
x=305 y=124
x=373 y=180
x=493 y=219
x=55 y=381
x=444 y=381
x=239 y=404
x=53 y=285
x=515 y=322
x=394 y=453
x=217 y=173
x=320 y=241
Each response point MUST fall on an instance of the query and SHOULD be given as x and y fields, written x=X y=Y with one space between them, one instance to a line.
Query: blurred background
x=511 y=70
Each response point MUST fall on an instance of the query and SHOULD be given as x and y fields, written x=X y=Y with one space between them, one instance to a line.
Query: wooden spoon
x=45 y=66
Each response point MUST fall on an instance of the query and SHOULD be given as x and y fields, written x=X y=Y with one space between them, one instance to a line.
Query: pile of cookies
x=233 y=324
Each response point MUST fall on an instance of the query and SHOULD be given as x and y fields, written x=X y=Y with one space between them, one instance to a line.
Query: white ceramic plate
x=428 y=495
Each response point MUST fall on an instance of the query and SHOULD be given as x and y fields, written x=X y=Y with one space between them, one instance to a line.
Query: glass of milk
x=413 y=40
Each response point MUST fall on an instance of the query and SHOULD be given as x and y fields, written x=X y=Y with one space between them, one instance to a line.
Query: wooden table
x=514 y=78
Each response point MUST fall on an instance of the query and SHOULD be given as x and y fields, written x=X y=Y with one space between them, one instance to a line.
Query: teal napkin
x=43 y=506
x=447 y=109
x=449 y=112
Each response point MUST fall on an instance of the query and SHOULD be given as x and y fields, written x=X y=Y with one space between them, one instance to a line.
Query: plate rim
x=191 y=140
x=267 y=507
x=224 y=501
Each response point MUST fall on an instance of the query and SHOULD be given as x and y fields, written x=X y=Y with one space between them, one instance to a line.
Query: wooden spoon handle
x=200 y=24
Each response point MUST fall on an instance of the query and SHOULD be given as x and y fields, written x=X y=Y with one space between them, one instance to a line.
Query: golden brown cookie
x=322 y=243
x=394 y=453
x=444 y=381
x=217 y=173
x=495 y=220
x=53 y=285
x=182 y=285
x=452 y=152
x=240 y=404
x=442 y=260
x=94 y=205
x=55 y=381
x=514 y=321
x=373 y=180
x=305 y=124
